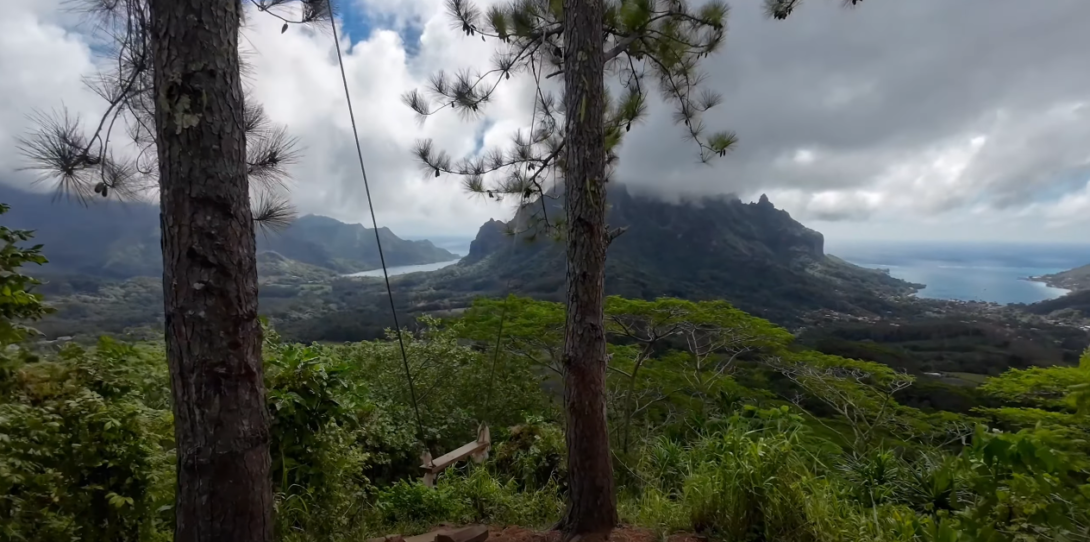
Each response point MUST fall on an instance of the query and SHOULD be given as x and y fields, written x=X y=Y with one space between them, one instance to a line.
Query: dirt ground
x=620 y=534
x=522 y=534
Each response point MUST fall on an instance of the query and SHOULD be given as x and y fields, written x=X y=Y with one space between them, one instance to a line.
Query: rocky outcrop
x=490 y=239
x=751 y=254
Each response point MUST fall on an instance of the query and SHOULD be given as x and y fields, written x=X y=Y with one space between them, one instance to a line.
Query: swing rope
x=382 y=258
x=507 y=285
x=374 y=224
x=496 y=350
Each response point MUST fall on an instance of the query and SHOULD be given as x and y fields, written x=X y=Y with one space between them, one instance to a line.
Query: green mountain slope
x=1072 y=279
x=753 y=255
x=121 y=240
x=329 y=243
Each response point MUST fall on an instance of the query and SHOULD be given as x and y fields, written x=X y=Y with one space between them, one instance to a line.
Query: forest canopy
x=722 y=425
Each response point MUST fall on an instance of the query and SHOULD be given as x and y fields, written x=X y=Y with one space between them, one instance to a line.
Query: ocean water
x=403 y=269
x=992 y=272
x=459 y=245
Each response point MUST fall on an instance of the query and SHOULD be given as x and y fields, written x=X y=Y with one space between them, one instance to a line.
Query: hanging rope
x=378 y=241
x=374 y=224
x=496 y=350
x=514 y=240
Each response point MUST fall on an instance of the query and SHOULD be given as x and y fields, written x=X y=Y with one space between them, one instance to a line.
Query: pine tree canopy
x=650 y=45
x=84 y=164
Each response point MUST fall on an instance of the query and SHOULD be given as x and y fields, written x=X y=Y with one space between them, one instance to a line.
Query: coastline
x=1047 y=281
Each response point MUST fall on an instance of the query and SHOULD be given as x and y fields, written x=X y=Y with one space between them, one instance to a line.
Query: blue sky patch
x=1070 y=182
x=359 y=23
x=478 y=137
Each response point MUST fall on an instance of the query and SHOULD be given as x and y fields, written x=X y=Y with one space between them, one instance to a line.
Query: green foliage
x=737 y=434
x=736 y=484
x=525 y=328
x=86 y=448
x=1045 y=387
x=318 y=411
x=699 y=341
x=859 y=392
x=475 y=497
x=18 y=303
x=1021 y=489
x=1052 y=403
x=532 y=455
x=457 y=387
x=774 y=480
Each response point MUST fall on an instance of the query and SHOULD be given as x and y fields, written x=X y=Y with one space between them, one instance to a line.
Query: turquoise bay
x=994 y=272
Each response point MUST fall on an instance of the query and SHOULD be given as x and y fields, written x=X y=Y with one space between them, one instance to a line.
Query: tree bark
x=213 y=336
x=592 y=508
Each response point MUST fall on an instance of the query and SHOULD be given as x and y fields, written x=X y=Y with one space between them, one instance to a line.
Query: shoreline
x=1045 y=282
x=938 y=290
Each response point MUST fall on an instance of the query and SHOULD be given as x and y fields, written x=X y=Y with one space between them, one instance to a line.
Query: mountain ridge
x=751 y=254
x=120 y=240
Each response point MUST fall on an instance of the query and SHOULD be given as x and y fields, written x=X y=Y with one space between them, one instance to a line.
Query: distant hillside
x=121 y=240
x=1073 y=304
x=1072 y=279
x=348 y=247
x=753 y=255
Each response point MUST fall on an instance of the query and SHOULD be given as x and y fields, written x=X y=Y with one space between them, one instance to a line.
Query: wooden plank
x=426 y=537
x=459 y=454
x=473 y=533
x=477 y=450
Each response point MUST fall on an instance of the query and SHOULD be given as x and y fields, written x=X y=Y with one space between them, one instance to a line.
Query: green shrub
x=486 y=498
x=533 y=455
x=411 y=503
x=82 y=456
x=86 y=450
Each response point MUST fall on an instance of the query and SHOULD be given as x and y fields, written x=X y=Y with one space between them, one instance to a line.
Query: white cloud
x=296 y=77
x=840 y=122
x=42 y=68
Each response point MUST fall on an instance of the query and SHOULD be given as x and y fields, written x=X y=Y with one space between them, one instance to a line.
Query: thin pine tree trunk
x=592 y=507
x=213 y=336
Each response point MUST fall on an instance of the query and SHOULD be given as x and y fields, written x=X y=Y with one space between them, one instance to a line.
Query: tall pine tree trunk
x=592 y=507
x=213 y=336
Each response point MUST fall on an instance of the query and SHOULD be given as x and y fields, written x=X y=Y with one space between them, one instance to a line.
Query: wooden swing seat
x=476 y=450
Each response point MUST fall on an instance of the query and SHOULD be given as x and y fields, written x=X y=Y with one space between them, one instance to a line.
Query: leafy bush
x=473 y=497
x=533 y=455
x=408 y=503
x=756 y=441
x=82 y=455
x=318 y=468
x=18 y=302
x=739 y=484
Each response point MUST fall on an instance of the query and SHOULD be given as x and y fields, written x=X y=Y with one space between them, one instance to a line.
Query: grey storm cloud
x=858 y=90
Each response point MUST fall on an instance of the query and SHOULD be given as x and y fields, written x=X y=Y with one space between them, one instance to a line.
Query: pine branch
x=83 y=164
x=273 y=212
x=664 y=36
x=313 y=11
x=781 y=9
x=268 y=153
